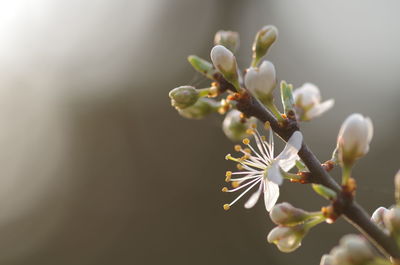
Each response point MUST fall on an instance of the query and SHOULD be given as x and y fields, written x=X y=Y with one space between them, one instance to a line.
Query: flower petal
x=271 y=194
x=318 y=109
x=254 y=197
x=274 y=173
x=288 y=164
x=292 y=148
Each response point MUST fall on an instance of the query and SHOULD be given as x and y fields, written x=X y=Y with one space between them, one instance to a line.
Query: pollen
x=239 y=166
x=267 y=125
x=254 y=126
x=237 y=148
x=246 y=141
x=247 y=150
x=224 y=189
x=235 y=184
x=263 y=138
x=226 y=207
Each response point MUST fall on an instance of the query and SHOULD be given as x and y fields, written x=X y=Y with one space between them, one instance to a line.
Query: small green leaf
x=325 y=192
x=202 y=66
x=287 y=97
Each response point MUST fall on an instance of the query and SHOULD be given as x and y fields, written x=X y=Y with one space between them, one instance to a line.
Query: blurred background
x=96 y=167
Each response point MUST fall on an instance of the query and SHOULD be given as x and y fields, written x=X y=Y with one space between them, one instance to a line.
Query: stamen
x=244 y=192
x=250 y=131
x=246 y=141
x=237 y=148
x=235 y=184
x=247 y=150
x=239 y=166
x=224 y=189
x=254 y=126
x=267 y=125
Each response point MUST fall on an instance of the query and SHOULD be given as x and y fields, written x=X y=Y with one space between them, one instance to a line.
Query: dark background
x=98 y=168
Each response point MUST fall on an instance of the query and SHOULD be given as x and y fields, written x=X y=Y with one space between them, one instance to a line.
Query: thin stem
x=346 y=174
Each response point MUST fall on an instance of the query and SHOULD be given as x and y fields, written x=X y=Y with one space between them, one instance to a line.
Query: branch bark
x=351 y=210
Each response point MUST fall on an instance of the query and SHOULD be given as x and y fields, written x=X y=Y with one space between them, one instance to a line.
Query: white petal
x=309 y=94
x=292 y=147
x=254 y=197
x=271 y=194
x=288 y=164
x=274 y=173
x=370 y=128
x=318 y=109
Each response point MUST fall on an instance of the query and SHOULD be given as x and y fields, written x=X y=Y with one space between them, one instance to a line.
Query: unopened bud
x=225 y=62
x=200 y=109
x=235 y=127
x=261 y=81
x=391 y=219
x=352 y=250
x=397 y=186
x=228 y=39
x=263 y=41
x=354 y=138
x=287 y=238
x=183 y=96
x=285 y=214
x=378 y=215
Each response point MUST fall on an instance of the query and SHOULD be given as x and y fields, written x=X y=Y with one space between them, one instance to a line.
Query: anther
x=237 y=148
x=239 y=166
x=235 y=184
x=253 y=125
x=226 y=207
x=250 y=131
x=267 y=125
x=247 y=150
x=224 y=189
x=263 y=138
x=246 y=141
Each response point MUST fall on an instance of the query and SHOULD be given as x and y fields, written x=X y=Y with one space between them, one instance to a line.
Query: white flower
x=260 y=167
x=308 y=104
x=287 y=238
x=354 y=137
x=377 y=216
x=223 y=59
x=352 y=250
x=261 y=81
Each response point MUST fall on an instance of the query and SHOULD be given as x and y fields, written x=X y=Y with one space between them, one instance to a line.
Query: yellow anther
x=227 y=207
x=246 y=141
x=227 y=179
x=242 y=116
x=239 y=166
x=228 y=156
x=213 y=92
x=235 y=184
x=222 y=110
x=267 y=125
x=228 y=174
x=254 y=126
x=237 y=148
x=263 y=138
x=250 y=131
x=224 y=189
x=247 y=150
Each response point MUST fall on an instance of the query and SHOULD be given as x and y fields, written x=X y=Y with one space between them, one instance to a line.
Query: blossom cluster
x=259 y=168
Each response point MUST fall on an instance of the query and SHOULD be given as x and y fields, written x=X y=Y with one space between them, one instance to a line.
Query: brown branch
x=344 y=203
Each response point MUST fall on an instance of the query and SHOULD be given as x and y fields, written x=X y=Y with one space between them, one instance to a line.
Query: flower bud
x=285 y=214
x=308 y=104
x=354 y=138
x=391 y=219
x=183 y=96
x=377 y=216
x=263 y=41
x=228 y=39
x=397 y=186
x=200 y=109
x=225 y=62
x=352 y=250
x=235 y=127
x=287 y=238
x=261 y=81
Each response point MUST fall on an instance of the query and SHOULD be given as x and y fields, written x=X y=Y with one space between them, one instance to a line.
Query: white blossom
x=262 y=80
x=260 y=167
x=354 y=137
x=223 y=59
x=308 y=104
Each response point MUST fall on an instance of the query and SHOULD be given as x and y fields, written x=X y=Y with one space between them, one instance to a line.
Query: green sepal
x=202 y=66
x=287 y=97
